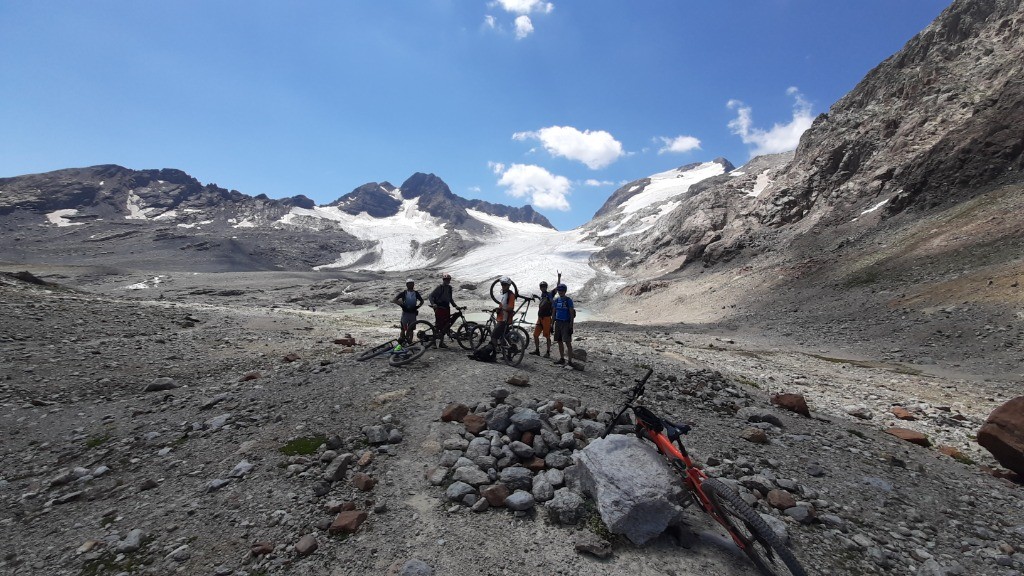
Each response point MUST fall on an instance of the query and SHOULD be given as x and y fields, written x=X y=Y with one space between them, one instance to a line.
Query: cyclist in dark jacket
x=410 y=300
x=441 y=301
x=544 y=311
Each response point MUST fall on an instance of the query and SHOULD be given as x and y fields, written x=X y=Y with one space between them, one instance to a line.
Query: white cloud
x=474 y=189
x=496 y=167
x=593 y=182
x=596 y=149
x=490 y=22
x=525 y=6
x=542 y=188
x=781 y=137
x=523 y=27
x=679 y=144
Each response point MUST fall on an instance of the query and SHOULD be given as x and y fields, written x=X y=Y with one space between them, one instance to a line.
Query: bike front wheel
x=496 y=291
x=477 y=336
x=407 y=354
x=760 y=543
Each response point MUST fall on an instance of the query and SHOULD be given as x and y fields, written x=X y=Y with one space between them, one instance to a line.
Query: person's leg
x=547 y=336
x=558 y=339
x=536 y=338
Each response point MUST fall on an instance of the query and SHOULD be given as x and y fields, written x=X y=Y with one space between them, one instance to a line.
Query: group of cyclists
x=555 y=315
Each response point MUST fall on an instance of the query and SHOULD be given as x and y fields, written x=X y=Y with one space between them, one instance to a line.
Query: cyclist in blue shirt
x=565 y=315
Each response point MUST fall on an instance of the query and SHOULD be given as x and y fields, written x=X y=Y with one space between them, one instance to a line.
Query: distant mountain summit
x=435 y=198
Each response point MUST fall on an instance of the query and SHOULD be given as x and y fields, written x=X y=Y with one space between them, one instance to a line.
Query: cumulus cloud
x=524 y=26
x=541 y=188
x=593 y=182
x=596 y=148
x=525 y=6
x=781 y=137
x=678 y=145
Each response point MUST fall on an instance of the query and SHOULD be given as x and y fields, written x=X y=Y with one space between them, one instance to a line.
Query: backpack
x=485 y=353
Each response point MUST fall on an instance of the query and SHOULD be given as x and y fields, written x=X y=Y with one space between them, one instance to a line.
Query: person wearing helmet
x=410 y=300
x=565 y=315
x=441 y=301
x=543 y=326
x=506 y=307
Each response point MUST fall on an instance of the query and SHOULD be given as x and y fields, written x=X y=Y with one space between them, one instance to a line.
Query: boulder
x=1003 y=434
x=635 y=490
x=912 y=436
x=454 y=412
x=792 y=402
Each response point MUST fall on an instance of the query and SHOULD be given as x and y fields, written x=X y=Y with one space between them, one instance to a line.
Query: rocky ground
x=212 y=426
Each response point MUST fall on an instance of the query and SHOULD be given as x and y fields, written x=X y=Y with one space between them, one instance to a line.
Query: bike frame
x=677 y=456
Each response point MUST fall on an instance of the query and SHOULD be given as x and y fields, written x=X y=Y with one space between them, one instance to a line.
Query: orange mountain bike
x=716 y=498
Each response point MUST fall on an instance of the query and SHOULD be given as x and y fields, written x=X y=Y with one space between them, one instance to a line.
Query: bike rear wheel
x=763 y=546
x=377 y=350
x=407 y=354
x=423 y=332
x=478 y=336
x=518 y=342
x=464 y=335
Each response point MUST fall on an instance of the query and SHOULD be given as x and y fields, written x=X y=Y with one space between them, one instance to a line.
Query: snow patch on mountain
x=396 y=239
x=527 y=253
x=60 y=217
x=667 y=185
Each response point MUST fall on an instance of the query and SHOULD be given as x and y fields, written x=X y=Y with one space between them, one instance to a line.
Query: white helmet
x=505 y=280
x=410 y=281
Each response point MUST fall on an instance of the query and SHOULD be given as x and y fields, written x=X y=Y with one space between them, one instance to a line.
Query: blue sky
x=513 y=101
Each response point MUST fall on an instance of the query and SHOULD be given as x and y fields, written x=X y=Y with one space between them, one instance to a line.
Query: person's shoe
x=560 y=362
x=442 y=345
x=535 y=353
x=547 y=354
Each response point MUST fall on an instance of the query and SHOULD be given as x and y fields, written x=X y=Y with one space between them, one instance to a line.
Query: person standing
x=506 y=307
x=565 y=316
x=441 y=301
x=544 y=311
x=410 y=300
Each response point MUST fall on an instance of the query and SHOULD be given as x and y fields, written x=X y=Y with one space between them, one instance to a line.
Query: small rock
x=520 y=500
x=912 y=436
x=161 y=384
x=363 y=481
x=347 y=522
x=306 y=545
x=755 y=435
x=589 y=543
x=792 y=402
x=454 y=412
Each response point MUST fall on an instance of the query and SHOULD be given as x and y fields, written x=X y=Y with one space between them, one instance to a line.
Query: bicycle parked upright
x=716 y=498
x=459 y=329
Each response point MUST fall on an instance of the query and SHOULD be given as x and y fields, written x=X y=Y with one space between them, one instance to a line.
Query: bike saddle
x=674 y=431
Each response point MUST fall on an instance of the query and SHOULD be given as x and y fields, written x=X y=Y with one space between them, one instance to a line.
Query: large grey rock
x=517 y=478
x=471 y=475
x=526 y=420
x=457 y=490
x=338 y=467
x=416 y=567
x=519 y=501
x=500 y=417
x=478 y=447
x=635 y=491
x=567 y=506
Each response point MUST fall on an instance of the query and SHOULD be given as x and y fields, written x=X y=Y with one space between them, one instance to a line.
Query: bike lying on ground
x=722 y=502
x=400 y=352
x=463 y=333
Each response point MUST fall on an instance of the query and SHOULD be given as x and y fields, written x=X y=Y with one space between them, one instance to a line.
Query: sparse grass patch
x=95 y=441
x=303 y=446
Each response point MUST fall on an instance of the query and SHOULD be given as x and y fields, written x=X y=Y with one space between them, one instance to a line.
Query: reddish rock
x=365 y=459
x=363 y=481
x=902 y=413
x=792 y=402
x=306 y=545
x=495 y=494
x=334 y=506
x=454 y=412
x=527 y=438
x=520 y=381
x=345 y=341
x=1003 y=434
x=755 y=435
x=535 y=464
x=954 y=453
x=558 y=406
x=912 y=436
x=261 y=548
x=474 y=423
x=780 y=499
x=347 y=522
x=291 y=357
x=254 y=375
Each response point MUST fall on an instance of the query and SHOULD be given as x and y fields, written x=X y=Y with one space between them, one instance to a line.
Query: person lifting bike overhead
x=505 y=310
x=410 y=301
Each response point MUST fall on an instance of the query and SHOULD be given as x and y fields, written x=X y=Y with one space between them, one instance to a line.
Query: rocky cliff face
x=934 y=125
x=929 y=125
